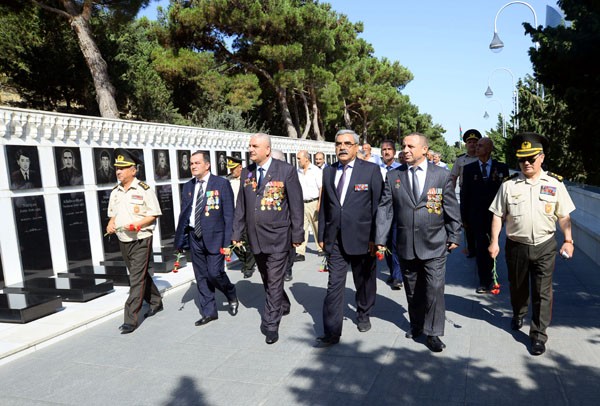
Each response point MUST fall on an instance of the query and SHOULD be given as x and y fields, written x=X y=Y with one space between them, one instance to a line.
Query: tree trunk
x=307 y=112
x=347 y=119
x=315 y=114
x=285 y=112
x=105 y=91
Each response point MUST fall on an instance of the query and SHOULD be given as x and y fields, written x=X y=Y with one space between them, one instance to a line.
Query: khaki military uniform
x=459 y=164
x=127 y=207
x=530 y=209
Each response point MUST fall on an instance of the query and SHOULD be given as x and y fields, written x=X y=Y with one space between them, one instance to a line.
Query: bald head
x=484 y=149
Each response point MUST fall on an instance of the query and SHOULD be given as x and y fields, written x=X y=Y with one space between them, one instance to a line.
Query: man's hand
x=296 y=244
x=110 y=227
x=494 y=249
x=452 y=246
x=321 y=244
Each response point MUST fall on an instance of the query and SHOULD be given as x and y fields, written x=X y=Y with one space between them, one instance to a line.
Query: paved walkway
x=169 y=361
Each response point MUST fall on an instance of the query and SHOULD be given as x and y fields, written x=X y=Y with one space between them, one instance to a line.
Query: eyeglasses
x=530 y=159
x=345 y=143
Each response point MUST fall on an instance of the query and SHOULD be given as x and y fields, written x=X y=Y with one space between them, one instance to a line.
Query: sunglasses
x=530 y=159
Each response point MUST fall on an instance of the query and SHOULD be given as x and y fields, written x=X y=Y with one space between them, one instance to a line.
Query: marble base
x=71 y=289
x=23 y=308
x=117 y=274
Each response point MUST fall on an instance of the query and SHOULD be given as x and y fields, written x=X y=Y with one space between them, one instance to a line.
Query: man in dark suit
x=271 y=210
x=419 y=200
x=105 y=173
x=481 y=181
x=24 y=177
x=205 y=226
x=349 y=197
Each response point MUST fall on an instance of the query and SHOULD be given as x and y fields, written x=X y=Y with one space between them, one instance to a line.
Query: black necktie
x=484 y=170
x=260 y=176
x=415 y=184
x=340 y=186
x=198 y=210
x=387 y=168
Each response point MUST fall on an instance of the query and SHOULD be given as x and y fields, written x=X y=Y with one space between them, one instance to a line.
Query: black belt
x=311 y=200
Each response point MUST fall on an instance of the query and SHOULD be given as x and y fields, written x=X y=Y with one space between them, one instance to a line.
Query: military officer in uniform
x=530 y=203
x=243 y=251
x=133 y=209
x=470 y=137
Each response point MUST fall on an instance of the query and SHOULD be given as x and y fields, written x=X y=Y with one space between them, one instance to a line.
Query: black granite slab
x=113 y=262
x=163 y=262
x=23 y=307
x=69 y=289
x=117 y=274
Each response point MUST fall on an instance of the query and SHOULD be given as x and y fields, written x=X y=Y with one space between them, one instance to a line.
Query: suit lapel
x=429 y=182
x=334 y=169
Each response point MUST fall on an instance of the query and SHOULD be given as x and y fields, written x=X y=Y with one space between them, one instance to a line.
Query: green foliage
x=565 y=67
x=229 y=119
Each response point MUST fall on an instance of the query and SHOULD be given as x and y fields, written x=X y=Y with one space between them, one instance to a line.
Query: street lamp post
x=489 y=93
x=496 y=45
x=486 y=116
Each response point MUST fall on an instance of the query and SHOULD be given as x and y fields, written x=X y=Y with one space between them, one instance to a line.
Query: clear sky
x=445 y=44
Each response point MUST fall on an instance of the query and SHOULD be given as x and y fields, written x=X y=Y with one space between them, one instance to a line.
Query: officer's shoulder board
x=555 y=176
x=461 y=155
x=514 y=175
x=116 y=186
x=144 y=185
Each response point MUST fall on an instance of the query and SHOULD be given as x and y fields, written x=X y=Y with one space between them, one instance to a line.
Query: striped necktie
x=198 y=210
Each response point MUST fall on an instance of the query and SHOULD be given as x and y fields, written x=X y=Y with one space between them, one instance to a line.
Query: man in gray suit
x=419 y=200
x=270 y=209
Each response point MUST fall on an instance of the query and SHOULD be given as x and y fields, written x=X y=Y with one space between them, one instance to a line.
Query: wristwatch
x=570 y=242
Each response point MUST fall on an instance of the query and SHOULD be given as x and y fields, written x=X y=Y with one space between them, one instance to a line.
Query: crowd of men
x=361 y=208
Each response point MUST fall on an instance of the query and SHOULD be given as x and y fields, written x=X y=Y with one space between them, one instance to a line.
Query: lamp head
x=488 y=93
x=496 y=45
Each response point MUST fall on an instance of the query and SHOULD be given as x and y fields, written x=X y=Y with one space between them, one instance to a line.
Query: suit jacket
x=423 y=227
x=19 y=182
x=217 y=220
x=273 y=215
x=476 y=195
x=356 y=220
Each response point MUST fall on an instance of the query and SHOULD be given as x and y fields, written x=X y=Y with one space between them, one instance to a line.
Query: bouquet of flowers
x=381 y=253
x=176 y=265
x=227 y=253
x=130 y=227
x=495 y=285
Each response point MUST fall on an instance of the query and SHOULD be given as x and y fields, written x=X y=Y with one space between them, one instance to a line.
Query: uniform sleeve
x=564 y=203
x=153 y=208
x=498 y=206
x=111 y=205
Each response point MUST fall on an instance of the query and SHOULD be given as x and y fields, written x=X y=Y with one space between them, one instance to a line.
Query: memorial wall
x=56 y=176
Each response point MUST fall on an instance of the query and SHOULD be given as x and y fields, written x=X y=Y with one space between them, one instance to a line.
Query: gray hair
x=278 y=154
x=344 y=131
x=263 y=136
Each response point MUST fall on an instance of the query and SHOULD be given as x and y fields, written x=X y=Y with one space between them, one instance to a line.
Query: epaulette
x=144 y=185
x=514 y=175
x=116 y=186
x=463 y=154
x=555 y=176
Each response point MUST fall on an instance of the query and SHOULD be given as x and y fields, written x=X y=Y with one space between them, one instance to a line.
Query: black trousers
x=136 y=255
x=272 y=269
x=365 y=283
x=532 y=265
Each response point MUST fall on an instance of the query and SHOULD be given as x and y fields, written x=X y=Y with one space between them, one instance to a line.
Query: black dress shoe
x=327 y=341
x=481 y=289
x=413 y=333
x=247 y=274
x=538 y=347
x=152 y=312
x=299 y=258
x=127 y=328
x=233 y=307
x=288 y=277
x=364 y=326
x=271 y=337
x=516 y=323
x=205 y=320
x=435 y=344
x=396 y=284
